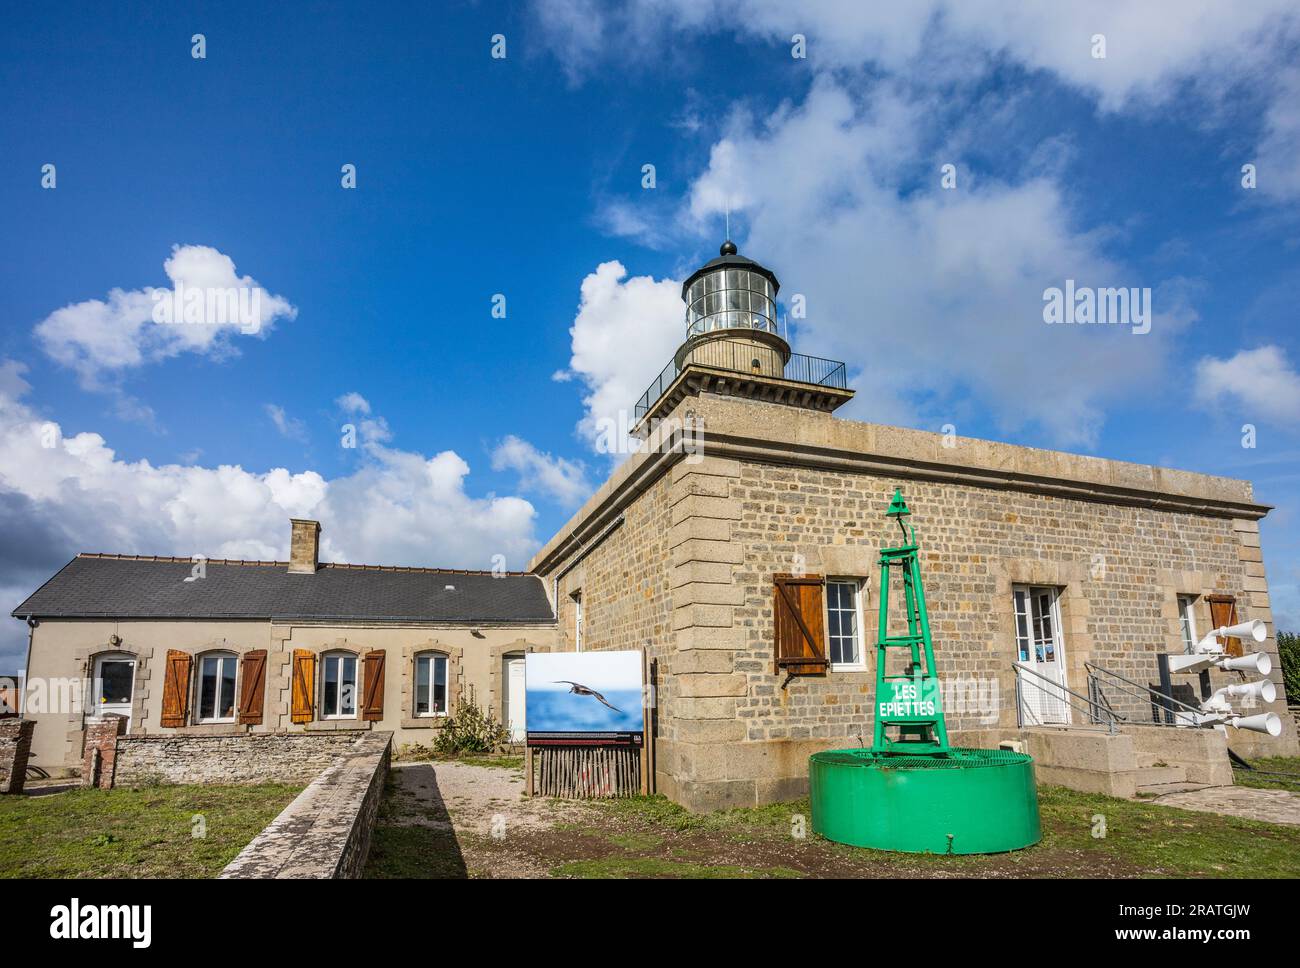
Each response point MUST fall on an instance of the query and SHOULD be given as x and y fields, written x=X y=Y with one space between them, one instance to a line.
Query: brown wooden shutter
x=303 y=695
x=1223 y=611
x=252 y=687
x=176 y=688
x=373 y=683
x=800 y=625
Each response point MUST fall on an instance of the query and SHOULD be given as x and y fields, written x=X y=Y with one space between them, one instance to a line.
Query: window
x=577 y=621
x=799 y=624
x=339 y=686
x=1187 y=622
x=1223 y=612
x=844 y=623
x=431 y=684
x=1037 y=635
x=217 y=687
x=1041 y=649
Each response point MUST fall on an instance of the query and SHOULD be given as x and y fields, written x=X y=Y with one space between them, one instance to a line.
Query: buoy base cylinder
x=967 y=801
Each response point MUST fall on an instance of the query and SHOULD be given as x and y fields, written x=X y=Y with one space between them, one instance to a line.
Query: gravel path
x=481 y=807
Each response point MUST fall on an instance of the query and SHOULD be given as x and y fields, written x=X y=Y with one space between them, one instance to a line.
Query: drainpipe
x=32 y=622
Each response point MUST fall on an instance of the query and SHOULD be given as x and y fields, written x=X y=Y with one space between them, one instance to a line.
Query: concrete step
x=1159 y=789
x=1152 y=775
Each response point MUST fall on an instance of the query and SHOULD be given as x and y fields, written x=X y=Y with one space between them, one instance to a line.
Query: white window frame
x=222 y=656
x=1045 y=702
x=577 y=621
x=432 y=658
x=1053 y=615
x=859 y=638
x=1187 y=621
x=95 y=687
x=341 y=655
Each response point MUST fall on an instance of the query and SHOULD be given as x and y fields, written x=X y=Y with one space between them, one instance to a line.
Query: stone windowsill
x=203 y=729
x=337 y=725
x=424 y=722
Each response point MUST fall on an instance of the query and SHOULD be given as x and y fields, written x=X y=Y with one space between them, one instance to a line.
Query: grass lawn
x=147 y=832
x=431 y=826
x=1271 y=764
x=656 y=838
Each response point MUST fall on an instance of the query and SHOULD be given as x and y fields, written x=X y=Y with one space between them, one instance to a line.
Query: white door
x=1040 y=649
x=514 y=680
x=114 y=686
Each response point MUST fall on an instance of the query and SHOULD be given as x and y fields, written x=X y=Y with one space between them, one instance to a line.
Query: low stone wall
x=1093 y=761
x=1202 y=753
x=15 y=747
x=232 y=758
x=325 y=833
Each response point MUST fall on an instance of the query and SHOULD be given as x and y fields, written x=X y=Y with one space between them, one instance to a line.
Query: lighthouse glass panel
x=730 y=299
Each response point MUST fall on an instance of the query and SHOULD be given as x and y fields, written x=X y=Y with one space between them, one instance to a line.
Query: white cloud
x=625 y=331
x=1156 y=53
x=396 y=507
x=373 y=430
x=933 y=297
x=563 y=480
x=1261 y=383
x=1151 y=48
x=101 y=338
x=1279 y=152
x=353 y=402
x=290 y=427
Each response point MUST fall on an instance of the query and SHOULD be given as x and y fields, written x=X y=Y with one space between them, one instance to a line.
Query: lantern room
x=730 y=292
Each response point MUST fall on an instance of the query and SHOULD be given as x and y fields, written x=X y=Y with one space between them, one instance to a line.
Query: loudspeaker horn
x=1257 y=662
x=1263 y=723
x=1263 y=690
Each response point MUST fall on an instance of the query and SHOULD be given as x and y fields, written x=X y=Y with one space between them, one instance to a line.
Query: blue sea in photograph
x=552 y=711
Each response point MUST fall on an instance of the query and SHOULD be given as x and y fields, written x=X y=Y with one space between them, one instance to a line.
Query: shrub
x=1288 y=650
x=469 y=730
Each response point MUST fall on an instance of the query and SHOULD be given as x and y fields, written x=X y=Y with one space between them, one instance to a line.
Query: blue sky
x=522 y=176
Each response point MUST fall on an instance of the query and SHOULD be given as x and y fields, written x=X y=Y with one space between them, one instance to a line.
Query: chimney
x=304 y=546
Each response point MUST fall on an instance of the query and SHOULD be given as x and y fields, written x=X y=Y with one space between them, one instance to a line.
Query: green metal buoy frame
x=914 y=792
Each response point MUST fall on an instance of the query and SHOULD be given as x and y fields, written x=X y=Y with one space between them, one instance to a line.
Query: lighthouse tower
x=734 y=346
x=731 y=315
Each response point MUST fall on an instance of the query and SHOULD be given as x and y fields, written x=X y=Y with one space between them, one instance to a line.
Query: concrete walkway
x=1271 y=806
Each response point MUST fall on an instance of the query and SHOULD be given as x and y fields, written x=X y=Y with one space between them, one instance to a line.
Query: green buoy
x=912 y=791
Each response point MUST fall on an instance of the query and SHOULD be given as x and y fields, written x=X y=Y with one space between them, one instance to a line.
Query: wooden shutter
x=176 y=688
x=252 y=687
x=800 y=625
x=303 y=696
x=1223 y=611
x=373 y=683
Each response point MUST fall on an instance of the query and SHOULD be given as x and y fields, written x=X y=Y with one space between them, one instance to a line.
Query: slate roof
x=122 y=586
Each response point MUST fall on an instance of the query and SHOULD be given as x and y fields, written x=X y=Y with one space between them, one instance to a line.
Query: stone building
x=273 y=646
x=744 y=481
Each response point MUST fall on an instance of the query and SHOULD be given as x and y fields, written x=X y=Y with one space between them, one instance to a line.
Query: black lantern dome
x=730 y=292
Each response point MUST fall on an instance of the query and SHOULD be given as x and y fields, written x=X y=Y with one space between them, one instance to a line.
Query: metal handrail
x=810 y=370
x=1095 y=690
x=1096 y=712
x=1139 y=690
